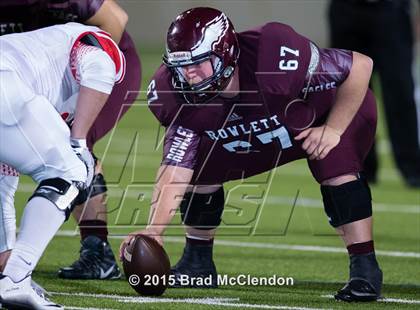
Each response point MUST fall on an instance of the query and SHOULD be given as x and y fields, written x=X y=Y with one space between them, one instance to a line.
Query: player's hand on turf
x=80 y=148
x=319 y=141
x=148 y=232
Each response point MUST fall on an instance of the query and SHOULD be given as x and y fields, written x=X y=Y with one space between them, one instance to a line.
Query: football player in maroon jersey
x=96 y=260
x=238 y=104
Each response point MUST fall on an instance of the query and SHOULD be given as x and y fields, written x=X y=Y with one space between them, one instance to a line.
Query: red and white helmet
x=197 y=35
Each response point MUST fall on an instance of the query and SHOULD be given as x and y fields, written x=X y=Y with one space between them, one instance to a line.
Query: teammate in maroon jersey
x=96 y=260
x=236 y=105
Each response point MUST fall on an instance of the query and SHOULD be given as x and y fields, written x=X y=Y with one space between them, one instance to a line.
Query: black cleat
x=357 y=290
x=365 y=280
x=195 y=269
x=97 y=261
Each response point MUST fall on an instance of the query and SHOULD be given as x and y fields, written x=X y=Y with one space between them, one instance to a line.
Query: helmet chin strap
x=233 y=88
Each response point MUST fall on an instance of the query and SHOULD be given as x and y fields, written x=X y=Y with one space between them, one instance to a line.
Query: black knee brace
x=97 y=187
x=203 y=211
x=348 y=202
x=59 y=192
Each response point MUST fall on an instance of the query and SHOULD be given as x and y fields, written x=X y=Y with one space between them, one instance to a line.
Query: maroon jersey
x=287 y=84
x=26 y=15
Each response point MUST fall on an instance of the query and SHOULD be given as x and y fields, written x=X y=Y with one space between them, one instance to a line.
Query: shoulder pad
x=283 y=60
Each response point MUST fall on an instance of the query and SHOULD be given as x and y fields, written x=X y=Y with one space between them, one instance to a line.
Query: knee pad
x=59 y=192
x=203 y=211
x=97 y=187
x=347 y=203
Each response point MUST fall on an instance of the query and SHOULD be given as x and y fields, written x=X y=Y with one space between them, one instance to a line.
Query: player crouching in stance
x=235 y=105
x=60 y=70
x=96 y=259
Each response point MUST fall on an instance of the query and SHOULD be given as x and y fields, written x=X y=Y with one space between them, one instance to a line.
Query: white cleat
x=39 y=289
x=23 y=295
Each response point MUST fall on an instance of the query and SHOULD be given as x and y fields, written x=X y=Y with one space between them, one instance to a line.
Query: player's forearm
x=170 y=188
x=89 y=103
x=351 y=93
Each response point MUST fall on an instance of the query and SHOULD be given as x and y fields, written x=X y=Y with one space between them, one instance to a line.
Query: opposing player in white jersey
x=65 y=71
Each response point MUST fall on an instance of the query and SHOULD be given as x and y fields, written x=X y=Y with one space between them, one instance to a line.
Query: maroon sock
x=361 y=248
x=201 y=242
x=96 y=228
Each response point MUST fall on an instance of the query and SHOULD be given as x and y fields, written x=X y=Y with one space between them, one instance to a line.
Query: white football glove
x=80 y=148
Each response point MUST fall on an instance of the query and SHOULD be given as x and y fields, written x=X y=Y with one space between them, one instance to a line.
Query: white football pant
x=8 y=186
x=33 y=137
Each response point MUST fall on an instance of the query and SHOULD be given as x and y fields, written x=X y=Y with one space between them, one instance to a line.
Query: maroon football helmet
x=195 y=36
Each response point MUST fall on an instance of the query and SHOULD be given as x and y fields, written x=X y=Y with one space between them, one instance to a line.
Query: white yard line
x=389 y=300
x=226 y=302
x=400 y=301
x=271 y=199
x=317 y=204
x=274 y=246
x=138 y=298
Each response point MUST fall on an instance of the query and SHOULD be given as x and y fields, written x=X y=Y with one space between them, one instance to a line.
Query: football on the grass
x=146 y=266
